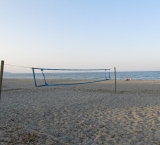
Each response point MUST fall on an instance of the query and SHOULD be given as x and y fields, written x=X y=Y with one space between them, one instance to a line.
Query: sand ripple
x=82 y=115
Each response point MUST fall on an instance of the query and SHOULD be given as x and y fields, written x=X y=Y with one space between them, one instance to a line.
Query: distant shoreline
x=146 y=75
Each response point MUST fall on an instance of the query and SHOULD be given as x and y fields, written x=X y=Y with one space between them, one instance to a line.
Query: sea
x=135 y=75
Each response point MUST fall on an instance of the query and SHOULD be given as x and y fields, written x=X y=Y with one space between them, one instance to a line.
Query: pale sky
x=80 y=34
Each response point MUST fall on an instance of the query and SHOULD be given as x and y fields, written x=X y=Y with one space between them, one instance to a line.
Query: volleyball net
x=69 y=76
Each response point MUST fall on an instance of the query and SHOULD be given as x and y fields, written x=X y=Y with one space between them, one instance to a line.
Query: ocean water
x=136 y=75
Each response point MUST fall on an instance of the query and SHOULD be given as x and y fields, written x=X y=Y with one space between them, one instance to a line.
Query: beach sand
x=90 y=114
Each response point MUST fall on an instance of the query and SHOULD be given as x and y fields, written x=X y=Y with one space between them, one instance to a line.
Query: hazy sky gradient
x=80 y=34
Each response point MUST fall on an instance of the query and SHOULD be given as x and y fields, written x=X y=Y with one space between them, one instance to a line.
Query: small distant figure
x=126 y=79
x=130 y=79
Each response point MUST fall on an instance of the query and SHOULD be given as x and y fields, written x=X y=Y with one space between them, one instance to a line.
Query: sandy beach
x=90 y=114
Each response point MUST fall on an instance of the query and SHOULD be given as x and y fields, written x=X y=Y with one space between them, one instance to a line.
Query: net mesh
x=50 y=77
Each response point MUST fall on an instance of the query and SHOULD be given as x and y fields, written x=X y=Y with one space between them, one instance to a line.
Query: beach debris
x=113 y=135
